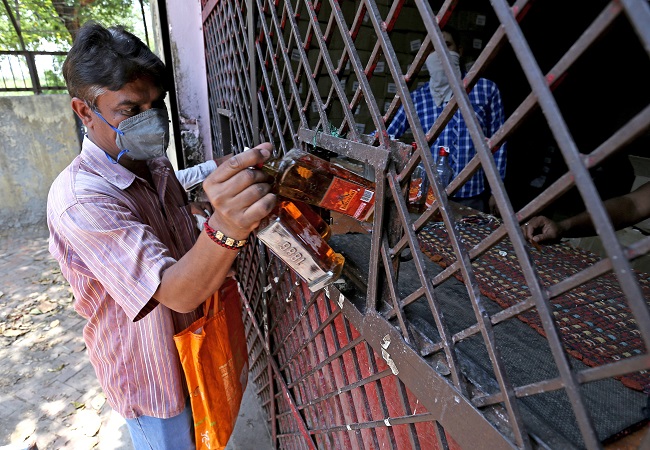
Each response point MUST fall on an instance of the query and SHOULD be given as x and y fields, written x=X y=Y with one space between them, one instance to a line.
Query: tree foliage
x=52 y=24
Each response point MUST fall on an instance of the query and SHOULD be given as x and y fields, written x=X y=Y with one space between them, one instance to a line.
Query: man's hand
x=541 y=229
x=222 y=159
x=239 y=193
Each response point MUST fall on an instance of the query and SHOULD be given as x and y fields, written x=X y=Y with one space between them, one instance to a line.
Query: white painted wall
x=186 y=36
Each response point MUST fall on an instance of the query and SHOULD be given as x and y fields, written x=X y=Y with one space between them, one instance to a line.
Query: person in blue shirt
x=431 y=99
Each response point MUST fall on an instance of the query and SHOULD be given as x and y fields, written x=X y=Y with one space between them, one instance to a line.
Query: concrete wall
x=38 y=138
x=186 y=38
x=184 y=27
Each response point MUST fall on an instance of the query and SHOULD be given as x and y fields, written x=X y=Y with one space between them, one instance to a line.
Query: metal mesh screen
x=448 y=330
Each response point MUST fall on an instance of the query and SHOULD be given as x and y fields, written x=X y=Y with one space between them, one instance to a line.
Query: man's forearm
x=196 y=276
x=621 y=211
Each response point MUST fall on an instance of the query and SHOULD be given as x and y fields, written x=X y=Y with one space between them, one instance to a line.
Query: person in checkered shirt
x=431 y=99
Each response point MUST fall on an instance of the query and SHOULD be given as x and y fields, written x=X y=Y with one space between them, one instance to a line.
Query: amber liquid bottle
x=293 y=239
x=304 y=177
x=314 y=219
x=418 y=187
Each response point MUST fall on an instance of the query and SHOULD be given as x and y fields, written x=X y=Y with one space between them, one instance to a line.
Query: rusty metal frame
x=336 y=370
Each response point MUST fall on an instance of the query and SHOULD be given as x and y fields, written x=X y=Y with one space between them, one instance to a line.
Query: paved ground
x=48 y=390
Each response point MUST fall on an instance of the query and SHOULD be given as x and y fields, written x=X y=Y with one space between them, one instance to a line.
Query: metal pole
x=144 y=21
x=250 y=13
x=31 y=65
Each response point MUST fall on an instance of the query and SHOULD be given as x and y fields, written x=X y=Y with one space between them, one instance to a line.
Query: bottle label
x=430 y=197
x=349 y=198
x=415 y=190
x=294 y=254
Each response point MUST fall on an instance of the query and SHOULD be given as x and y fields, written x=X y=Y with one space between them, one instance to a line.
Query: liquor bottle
x=292 y=238
x=314 y=219
x=418 y=187
x=302 y=176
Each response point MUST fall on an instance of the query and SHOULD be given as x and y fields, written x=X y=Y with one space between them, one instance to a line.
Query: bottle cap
x=443 y=151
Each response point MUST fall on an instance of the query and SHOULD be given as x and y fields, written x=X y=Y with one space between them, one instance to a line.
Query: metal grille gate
x=352 y=368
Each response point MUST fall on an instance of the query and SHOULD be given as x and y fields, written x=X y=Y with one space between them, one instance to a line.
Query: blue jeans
x=175 y=433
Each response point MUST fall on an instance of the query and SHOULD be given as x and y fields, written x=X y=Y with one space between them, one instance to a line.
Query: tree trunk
x=69 y=14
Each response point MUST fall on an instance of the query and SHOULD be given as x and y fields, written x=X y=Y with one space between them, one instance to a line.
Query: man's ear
x=81 y=109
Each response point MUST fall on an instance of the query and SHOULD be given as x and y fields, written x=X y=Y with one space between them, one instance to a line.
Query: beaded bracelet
x=223 y=240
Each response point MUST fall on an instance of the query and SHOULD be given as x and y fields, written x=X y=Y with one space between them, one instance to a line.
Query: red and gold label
x=415 y=190
x=430 y=197
x=349 y=198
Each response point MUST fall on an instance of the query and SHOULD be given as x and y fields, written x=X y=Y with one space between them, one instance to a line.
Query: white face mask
x=439 y=84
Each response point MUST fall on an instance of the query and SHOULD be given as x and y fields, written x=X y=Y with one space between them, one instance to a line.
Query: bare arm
x=623 y=211
x=240 y=198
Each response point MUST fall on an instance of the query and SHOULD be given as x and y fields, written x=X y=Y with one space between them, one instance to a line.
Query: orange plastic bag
x=214 y=356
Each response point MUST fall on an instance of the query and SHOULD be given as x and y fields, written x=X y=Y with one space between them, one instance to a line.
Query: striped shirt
x=114 y=236
x=486 y=102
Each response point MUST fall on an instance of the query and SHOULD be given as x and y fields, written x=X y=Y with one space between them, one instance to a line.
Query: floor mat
x=595 y=322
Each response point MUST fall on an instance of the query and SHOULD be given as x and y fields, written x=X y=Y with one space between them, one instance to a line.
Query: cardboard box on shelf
x=364 y=56
x=349 y=9
x=384 y=2
x=399 y=41
x=335 y=110
x=336 y=42
x=407 y=42
x=378 y=86
x=314 y=108
x=312 y=56
x=352 y=87
x=381 y=68
x=391 y=88
x=303 y=25
x=366 y=39
x=295 y=55
x=410 y=19
x=324 y=84
x=405 y=60
x=468 y=20
x=335 y=57
x=385 y=104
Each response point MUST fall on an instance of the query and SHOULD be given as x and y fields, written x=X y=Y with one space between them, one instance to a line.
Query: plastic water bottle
x=442 y=166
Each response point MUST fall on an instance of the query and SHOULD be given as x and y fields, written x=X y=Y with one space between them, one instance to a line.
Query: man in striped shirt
x=431 y=99
x=121 y=229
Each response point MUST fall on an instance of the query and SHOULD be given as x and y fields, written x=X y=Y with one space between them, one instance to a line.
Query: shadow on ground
x=48 y=390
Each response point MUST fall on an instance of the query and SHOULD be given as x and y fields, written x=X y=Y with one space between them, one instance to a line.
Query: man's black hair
x=453 y=32
x=108 y=58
